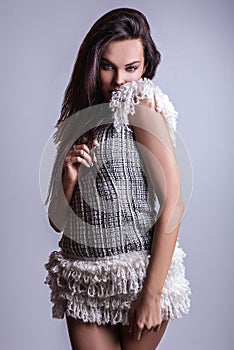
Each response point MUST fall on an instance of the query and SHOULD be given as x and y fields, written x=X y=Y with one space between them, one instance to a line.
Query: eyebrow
x=129 y=64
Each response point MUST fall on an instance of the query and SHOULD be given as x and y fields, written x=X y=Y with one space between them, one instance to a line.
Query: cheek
x=141 y=72
x=137 y=74
x=105 y=77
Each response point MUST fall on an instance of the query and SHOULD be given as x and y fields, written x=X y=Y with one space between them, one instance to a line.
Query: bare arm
x=161 y=164
x=58 y=211
x=155 y=145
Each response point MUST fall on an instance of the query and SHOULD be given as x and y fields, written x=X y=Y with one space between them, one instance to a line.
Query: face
x=121 y=62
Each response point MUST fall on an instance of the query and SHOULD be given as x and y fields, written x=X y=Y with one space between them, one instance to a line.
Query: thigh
x=148 y=341
x=86 y=336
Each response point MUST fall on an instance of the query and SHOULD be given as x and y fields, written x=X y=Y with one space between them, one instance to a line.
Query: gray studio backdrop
x=39 y=43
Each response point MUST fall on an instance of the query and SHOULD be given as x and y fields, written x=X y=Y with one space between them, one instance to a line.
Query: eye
x=107 y=66
x=131 y=68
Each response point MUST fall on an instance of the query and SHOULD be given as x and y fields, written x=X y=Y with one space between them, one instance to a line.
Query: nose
x=119 y=78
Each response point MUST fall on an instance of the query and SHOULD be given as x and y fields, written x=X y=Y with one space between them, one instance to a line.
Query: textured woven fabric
x=105 y=246
x=113 y=204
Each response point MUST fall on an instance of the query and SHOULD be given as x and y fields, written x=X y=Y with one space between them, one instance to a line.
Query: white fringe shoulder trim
x=103 y=290
x=123 y=103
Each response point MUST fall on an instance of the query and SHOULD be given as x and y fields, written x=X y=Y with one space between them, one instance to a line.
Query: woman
x=119 y=276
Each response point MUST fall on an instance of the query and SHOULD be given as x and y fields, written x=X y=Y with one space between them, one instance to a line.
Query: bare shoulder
x=148 y=102
x=150 y=125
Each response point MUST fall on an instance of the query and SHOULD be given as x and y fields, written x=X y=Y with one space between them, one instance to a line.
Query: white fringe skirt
x=103 y=290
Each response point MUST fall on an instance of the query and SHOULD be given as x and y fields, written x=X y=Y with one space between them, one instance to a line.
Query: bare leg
x=86 y=336
x=148 y=341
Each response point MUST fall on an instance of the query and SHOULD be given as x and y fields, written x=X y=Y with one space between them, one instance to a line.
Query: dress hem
x=103 y=291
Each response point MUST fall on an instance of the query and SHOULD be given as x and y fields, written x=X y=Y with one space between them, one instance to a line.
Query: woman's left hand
x=145 y=315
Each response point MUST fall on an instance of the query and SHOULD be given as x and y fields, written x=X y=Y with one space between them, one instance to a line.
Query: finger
x=93 y=155
x=83 y=154
x=79 y=160
x=81 y=147
x=156 y=329
x=70 y=152
x=138 y=330
x=139 y=333
x=146 y=330
x=95 y=143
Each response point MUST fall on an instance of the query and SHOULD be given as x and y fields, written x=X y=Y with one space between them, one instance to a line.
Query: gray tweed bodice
x=113 y=204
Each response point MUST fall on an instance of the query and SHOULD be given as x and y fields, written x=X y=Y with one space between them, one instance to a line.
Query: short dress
x=99 y=269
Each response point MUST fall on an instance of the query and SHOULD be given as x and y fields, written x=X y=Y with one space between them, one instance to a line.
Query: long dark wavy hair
x=83 y=89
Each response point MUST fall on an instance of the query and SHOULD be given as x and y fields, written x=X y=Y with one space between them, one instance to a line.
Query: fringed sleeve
x=123 y=103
